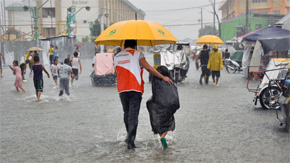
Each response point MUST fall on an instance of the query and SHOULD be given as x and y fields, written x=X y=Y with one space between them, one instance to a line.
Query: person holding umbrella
x=215 y=64
x=129 y=65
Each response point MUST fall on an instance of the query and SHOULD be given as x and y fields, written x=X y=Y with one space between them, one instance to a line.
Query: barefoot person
x=1 y=57
x=129 y=65
x=215 y=64
x=54 y=69
x=203 y=56
x=37 y=76
x=63 y=72
x=76 y=66
x=18 y=80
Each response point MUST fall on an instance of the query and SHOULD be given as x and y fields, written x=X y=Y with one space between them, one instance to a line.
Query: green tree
x=97 y=28
x=207 y=30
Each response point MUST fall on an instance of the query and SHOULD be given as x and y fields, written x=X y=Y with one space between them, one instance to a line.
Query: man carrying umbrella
x=215 y=64
x=129 y=65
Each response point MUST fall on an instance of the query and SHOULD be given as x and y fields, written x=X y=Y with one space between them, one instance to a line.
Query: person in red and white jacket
x=129 y=64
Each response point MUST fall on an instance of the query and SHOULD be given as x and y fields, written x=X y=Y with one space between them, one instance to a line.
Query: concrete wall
x=17 y=50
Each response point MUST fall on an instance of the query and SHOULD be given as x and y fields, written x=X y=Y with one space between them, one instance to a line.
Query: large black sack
x=160 y=118
x=165 y=94
x=163 y=104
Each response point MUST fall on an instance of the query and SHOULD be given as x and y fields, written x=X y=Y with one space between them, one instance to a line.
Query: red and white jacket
x=129 y=71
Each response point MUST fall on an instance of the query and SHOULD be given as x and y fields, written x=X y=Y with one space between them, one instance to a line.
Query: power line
x=187 y=8
x=172 y=25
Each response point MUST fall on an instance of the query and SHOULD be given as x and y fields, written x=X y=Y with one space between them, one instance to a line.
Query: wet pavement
x=214 y=124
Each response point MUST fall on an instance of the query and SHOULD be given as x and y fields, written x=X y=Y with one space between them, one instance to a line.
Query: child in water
x=54 y=69
x=17 y=72
x=37 y=76
x=64 y=71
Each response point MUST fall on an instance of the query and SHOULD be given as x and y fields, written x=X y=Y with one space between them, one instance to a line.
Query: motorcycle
x=181 y=66
x=232 y=66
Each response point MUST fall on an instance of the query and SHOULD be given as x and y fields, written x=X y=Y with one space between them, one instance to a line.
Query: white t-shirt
x=64 y=71
x=54 y=69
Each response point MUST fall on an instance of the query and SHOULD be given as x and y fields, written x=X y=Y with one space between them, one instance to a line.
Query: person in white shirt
x=64 y=71
x=54 y=69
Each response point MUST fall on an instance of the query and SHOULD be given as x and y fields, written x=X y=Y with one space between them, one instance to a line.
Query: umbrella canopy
x=34 y=49
x=209 y=39
x=147 y=33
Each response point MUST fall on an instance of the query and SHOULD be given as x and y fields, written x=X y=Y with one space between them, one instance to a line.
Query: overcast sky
x=166 y=12
x=185 y=14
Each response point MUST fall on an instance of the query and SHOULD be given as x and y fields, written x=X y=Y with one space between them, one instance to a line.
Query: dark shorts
x=75 y=71
x=54 y=77
x=38 y=85
x=0 y=64
x=216 y=74
x=205 y=71
x=51 y=59
x=23 y=68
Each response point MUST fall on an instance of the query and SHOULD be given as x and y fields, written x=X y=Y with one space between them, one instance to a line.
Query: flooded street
x=214 y=124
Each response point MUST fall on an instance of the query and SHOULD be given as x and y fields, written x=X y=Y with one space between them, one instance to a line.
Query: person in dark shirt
x=37 y=76
x=203 y=56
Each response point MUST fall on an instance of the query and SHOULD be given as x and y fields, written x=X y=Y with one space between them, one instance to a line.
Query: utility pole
x=201 y=22
x=214 y=16
x=4 y=16
x=102 y=27
x=247 y=16
x=228 y=9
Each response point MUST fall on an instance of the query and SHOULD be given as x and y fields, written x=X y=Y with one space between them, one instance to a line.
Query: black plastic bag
x=163 y=104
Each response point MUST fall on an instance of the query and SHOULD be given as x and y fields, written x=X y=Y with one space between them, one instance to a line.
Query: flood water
x=214 y=124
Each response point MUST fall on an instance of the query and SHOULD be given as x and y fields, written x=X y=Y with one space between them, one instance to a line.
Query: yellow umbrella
x=209 y=39
x=147 y=33
x=34 y=49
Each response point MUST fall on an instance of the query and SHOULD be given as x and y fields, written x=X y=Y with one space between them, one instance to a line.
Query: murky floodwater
x=214 y=124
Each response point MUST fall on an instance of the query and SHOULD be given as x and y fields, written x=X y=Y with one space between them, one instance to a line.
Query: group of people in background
x=211 y=63
x=70 y=68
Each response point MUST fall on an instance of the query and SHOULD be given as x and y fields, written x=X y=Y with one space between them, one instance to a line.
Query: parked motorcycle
x=232 y=66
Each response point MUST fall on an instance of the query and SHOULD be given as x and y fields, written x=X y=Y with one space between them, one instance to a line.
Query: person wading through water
x=203 y=56
x=129 y=64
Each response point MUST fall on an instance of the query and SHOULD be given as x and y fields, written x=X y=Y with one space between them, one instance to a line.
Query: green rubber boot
x=164 y=143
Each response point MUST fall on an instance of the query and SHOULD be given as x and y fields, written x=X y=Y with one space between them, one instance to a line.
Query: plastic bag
x=163 y=104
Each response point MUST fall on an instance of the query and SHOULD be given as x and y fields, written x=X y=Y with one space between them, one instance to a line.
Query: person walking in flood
x=63 y=72
x=38 y=77
x=17 y=73
x=76 y=66
x=50 y=52
x=215 y=64
x=162 y=106
x=203 y=56
x=1 y=57
x=129 y=64
x=54 y=70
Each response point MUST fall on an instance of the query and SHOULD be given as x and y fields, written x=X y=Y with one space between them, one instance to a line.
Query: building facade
x=55 y=12
x=234 y=8
x=53 y=15
x=262 y=13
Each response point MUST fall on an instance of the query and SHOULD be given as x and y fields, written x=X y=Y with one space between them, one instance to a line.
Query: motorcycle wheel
x=231 y=70
x=176 y=77
x=265 y=97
